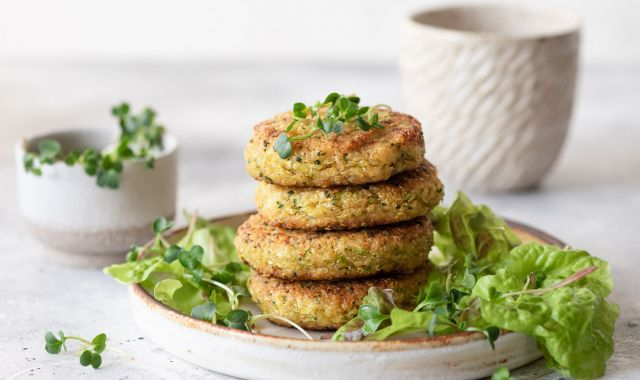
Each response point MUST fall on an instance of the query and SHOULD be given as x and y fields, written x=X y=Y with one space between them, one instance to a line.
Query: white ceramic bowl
x=280 y=353
x=493 y=86
x=87 y=225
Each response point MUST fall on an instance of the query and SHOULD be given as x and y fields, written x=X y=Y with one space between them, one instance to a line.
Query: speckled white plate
x=282 y=353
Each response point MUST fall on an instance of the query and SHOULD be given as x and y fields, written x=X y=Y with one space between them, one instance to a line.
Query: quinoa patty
x=351 y=158
x=403 y=197
x=325 y=305
x=332 y=255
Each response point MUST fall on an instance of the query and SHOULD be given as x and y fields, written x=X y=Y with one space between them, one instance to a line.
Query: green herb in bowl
x=140 y=137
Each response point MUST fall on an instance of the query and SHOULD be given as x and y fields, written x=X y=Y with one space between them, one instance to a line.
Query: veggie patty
x=403 y=197
x=332 y=255
x=349 y=158
x=325 y=305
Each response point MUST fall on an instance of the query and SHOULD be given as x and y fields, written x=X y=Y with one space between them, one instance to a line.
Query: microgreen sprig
x=140 y=135
x=340 y=109
x=90 y=351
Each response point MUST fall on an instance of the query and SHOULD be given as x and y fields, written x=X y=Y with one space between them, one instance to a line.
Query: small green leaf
x=468 y=281
x=147 y=116
x=85 y=358
x=53 y=345
x=300 y=110
x=109 y=178
x=237 y=319
x=372 y=318
x=362 y=124
x=96 y=360
x=172 y=253
x=72 y=157
x=331 y=98
x=283 y=146
x=50 y=338
x=132 y=255
x=161 y=225
x=343 y=103
x=502 y=373
x=351 y=111
x=120 y=110
x=49 y=149
x=492 y=333
x=99 y=339
x=322 y=127
x=191 y=259
x=205 y=312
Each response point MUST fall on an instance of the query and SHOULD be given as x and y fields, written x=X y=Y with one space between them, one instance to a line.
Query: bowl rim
x=574 y=27
x=171 y=144
x=136 y=290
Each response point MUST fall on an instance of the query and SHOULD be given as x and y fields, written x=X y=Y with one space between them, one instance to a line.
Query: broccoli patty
x=403 y=197
x=350 y=158
x=325 y=305
x=332 y=255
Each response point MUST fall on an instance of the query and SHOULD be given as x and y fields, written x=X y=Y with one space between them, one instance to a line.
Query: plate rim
x=136 y=290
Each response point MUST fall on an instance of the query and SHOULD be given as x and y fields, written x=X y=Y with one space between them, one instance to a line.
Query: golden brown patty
x=325 y=305
x=305 y=255
x=350 y=158
x=404 y=196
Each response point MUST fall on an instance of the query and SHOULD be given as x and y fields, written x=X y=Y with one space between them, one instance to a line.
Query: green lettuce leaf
x=135 y=272
x=553 y=264
x=178 y=294
x=404 y=322
x=573 y=324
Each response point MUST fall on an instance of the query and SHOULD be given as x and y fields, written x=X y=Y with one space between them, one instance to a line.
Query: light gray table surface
x=591 y=200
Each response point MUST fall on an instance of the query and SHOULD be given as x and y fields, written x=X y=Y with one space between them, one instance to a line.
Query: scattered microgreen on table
x=90 y=351
x=140 y=138
x=328 y=116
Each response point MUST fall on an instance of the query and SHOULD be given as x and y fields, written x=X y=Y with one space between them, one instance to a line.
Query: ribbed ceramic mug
x=493 y=86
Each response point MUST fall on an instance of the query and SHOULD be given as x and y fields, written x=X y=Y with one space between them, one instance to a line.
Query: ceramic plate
x=282 y=353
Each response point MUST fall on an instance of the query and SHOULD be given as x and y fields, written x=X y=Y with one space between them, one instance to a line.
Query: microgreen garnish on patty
x=329 y=116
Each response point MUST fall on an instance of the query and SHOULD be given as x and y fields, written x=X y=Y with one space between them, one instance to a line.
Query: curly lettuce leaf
x=178 y=294
x=468 y=240
x=573 y=324
x=404 y=322
x=135 y=272
x=465 y=230
x=552 y=264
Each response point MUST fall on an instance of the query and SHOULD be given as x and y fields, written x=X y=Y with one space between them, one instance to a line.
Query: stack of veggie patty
x=343 y=213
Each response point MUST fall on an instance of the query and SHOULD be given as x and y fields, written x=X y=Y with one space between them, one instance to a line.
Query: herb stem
x=283 y=319
x=569 y=280
x=222 y=286
x=447 y=283
x=79 y=339
x=191 y=229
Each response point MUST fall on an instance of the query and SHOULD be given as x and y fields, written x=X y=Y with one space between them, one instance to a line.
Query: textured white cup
x=87 y=225
x=493 y=86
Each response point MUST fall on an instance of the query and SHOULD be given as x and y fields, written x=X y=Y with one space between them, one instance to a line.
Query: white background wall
x=325 y=30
